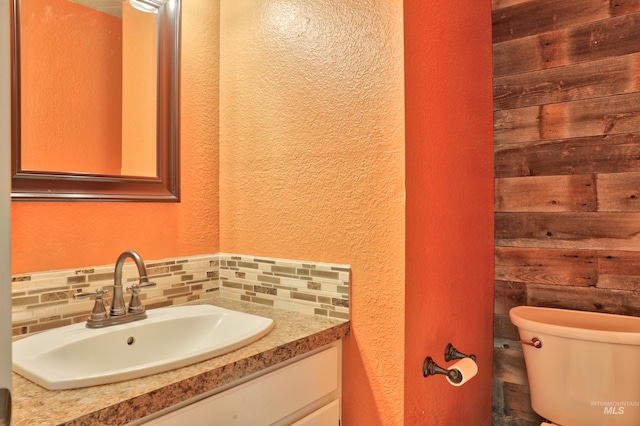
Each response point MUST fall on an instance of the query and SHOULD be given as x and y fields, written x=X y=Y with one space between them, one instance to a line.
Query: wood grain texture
x=509 y=294
x=619 y=192
x=619 y=270
x=582 y=118
x=591 y=299
x=592 y=41
x=567 y=169
x=539 y=16
x=602 y=154
x=510 y=366
x=585 y=80
x=564 y=193
x=557 y=267
x=518 y=402
x=570 y=231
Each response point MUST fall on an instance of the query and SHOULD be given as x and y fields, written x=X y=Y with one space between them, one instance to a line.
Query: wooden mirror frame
x=37 y=185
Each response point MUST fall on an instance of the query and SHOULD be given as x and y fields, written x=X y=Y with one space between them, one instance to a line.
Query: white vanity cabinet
x=327 y=415
x=303 y=392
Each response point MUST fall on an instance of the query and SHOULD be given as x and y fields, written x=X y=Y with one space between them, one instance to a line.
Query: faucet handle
x=135 y=306
x=98 y=313
x=98 y=294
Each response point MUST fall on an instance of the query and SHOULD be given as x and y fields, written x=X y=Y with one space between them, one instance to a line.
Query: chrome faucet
x=119 y=314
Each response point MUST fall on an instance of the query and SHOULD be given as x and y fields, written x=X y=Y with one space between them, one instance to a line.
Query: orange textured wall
x=55 y=235
x=312 y=165
x=449 y=262
x=71 y=87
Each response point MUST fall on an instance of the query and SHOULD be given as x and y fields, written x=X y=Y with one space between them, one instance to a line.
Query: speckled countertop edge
x=119 y=403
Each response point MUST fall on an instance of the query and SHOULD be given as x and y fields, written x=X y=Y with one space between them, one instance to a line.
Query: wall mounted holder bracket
x=451 y=353
x=430 y=368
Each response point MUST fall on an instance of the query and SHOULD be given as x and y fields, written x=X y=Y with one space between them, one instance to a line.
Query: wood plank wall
x=567 y=170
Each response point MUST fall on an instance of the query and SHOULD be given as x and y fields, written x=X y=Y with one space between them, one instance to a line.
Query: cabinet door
x=329 y=415
x=264 y=400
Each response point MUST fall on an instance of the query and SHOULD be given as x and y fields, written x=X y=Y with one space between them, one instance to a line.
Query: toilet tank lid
x=582 y=325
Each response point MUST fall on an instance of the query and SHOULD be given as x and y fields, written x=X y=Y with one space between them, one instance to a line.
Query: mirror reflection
x=95 y=94
x=88 y=87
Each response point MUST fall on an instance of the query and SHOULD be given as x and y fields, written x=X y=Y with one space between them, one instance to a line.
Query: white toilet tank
x=587 y=369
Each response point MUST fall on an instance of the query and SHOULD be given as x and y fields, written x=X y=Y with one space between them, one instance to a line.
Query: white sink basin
x=75 y=356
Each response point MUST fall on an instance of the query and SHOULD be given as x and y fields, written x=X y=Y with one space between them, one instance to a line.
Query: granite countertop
x=119 y=403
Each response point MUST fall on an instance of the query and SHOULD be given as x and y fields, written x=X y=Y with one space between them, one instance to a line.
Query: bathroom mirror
x=95 y=100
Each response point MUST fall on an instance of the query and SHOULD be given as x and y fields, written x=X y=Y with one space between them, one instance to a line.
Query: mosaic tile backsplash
x=313 y=288
x=44 y=300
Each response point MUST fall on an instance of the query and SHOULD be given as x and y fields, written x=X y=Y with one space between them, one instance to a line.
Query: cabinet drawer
x=266 y=399
x=329 y=415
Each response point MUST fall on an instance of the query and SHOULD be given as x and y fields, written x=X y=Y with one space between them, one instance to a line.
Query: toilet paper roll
x=467 y=367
